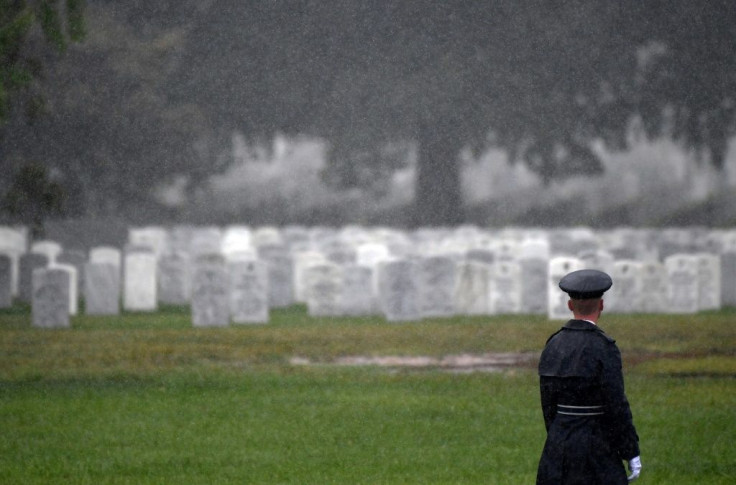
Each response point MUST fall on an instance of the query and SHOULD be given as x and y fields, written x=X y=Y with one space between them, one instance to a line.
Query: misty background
x=395 y=113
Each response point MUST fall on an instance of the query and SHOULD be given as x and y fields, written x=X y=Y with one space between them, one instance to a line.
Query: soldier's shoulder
x=607 y=338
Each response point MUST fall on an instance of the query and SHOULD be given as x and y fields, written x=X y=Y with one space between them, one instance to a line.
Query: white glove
x=634 y=468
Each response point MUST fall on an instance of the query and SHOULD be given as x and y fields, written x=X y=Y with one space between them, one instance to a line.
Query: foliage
x=541 y=81
x=159 y=87
x=33 y=197
x=18 y=68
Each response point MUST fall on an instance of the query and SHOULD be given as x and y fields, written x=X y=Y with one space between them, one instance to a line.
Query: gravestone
x=371 y=254
x=599 y=259
x=534 y=289
x=398 y=290
x=210 y=292
x=27 y=263
x=295 y=236
x=6 y=281
x=324 y=285
x=13 y=243
x=106 y=254
x=480 y=255
x=728 y=271
x=153 y=237
x=682 y=283
x=267 y=236
x=76 y=258
x=473 y=288
x=437 y=281
x=73 y=285
x=340 y=254
x=505 y=287
x=50 y=299
x=302 y=261
x=237 y=244
x=49 y=248
x=101 y=289
x=506 y=250
x=357 y=291
x=709 y=281
x=557 y=299
x=534 y=247
x=653 y=296
x=624 y=295
x=174 y=279
x=280 y=268
x=205 y=241
x=248 y=297
x=139 y=281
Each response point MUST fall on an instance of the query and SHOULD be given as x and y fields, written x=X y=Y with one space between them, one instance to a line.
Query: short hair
x=586 y=306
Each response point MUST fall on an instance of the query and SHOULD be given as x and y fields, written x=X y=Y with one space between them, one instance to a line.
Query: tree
x=33 y=197
x=18 y=70
x=540 y=79
x=110 y=131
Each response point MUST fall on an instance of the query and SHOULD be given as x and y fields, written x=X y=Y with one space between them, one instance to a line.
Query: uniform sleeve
x=549 y=400
x=620 y=421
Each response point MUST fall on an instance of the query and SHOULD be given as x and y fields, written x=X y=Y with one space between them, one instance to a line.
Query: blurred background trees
x=156 y=90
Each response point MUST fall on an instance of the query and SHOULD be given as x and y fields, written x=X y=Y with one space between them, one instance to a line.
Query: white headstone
x=106 y=254
x=398 y=290
x=506 y=287
x=534 y=283
x=709 y=281
x=437 y=281
x=728 y=278
x=27 y=264
x=210 y=292
x=13 y=242
x=682 y=283
x=324 y=286
x=152 y=237
x=174 y=278
x=597 y=259
x=205 y=241
x=51 y=249
x=653 y=296
x=248 y=291
x=237 y=240
x=557 y=299
x=357 y=292
x=371 y=254
x=101 y=289
x=473 y=288
x=139 y=281
x=73 y=285
x=280 y=267
x=76 y=258
x=6 y=281
x=625 y=294
x=50 y=301
x=302 y=261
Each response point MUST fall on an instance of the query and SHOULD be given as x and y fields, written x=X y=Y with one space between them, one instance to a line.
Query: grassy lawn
x=146 y=398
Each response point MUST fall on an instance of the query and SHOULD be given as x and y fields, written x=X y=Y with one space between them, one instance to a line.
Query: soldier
x=590 y=431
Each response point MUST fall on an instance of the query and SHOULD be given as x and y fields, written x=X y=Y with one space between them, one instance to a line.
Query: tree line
x=154 y=90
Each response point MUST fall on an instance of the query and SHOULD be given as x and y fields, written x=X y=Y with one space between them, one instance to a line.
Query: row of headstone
x=465 y=271
x=222 y=292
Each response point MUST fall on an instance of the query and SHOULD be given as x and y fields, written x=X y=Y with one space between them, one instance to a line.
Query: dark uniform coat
x=590 y=431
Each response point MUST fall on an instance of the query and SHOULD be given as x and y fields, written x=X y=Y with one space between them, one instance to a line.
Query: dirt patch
x=490 y=362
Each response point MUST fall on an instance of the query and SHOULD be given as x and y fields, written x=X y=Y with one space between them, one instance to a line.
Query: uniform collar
x=581 y=325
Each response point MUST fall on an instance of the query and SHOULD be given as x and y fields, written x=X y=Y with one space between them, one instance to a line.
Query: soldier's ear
x=569 y=305
x=600 y=305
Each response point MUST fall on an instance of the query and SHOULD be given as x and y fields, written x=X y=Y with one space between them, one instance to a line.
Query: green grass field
x=146 y=398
